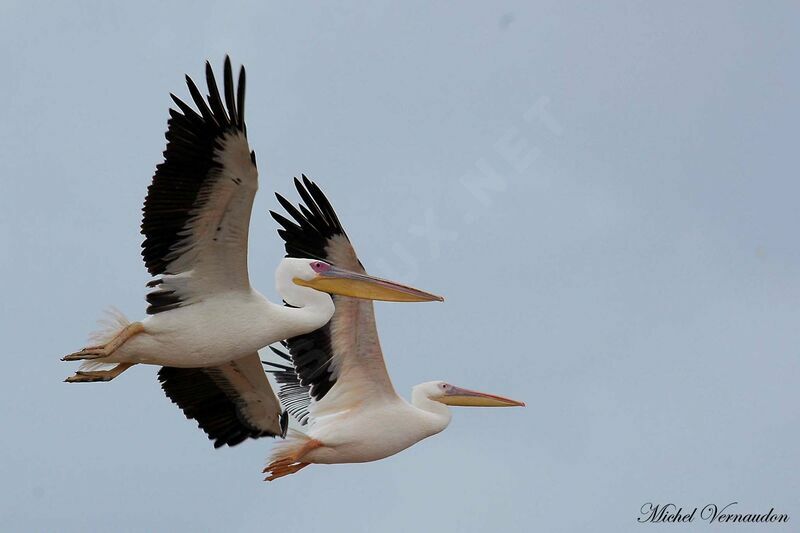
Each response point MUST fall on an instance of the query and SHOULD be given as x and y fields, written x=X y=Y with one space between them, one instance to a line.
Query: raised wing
x=340 y=363
x=231 y=402
x=197 y=212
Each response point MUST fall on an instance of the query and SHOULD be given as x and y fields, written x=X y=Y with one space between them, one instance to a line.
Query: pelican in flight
x=336 y=384
x=206 y=323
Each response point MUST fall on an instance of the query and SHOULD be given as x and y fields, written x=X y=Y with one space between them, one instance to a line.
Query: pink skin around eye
x=319 y=267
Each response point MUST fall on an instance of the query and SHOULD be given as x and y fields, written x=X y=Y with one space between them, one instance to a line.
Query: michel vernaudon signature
x=672 y=514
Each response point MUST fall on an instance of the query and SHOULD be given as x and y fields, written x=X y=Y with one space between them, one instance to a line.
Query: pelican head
x=448 y=394
x=324 y=277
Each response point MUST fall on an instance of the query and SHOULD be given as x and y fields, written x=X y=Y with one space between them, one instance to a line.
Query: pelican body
x=206 y=323
x=374 y=431
x=217 y=330
x=234 y=324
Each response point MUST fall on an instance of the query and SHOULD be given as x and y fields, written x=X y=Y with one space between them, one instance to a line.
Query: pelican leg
x=295 y=457
x=98 y=352
x=280 y=463
x=291 y=462
x=82 y=376
x=285 y=471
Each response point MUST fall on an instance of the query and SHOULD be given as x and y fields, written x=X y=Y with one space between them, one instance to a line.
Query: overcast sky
x=607 y=196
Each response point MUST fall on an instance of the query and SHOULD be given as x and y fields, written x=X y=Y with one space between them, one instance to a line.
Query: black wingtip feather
x=240 y=98
x=230 y=98
x=280 y=219
x=214 y=99
x=315 y=222
x=283 y=355
x=199 y=101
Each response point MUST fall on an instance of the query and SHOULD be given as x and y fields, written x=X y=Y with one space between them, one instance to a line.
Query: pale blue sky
x=609 y=189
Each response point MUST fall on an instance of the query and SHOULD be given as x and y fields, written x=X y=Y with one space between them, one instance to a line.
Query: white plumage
x=337 y=385
x=206 y=323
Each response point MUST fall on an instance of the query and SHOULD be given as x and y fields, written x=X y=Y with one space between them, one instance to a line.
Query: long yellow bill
x=470 y=398
x=346 y=283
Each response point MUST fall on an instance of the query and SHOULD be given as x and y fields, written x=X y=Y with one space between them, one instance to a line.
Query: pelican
x=337 y=384
x=205 y=322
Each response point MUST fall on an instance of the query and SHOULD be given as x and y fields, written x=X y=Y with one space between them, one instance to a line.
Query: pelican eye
x=319 y=267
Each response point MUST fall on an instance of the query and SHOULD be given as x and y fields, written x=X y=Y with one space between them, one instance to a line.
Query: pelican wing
x=197 y=211
x=230 y=402
x=341 y=363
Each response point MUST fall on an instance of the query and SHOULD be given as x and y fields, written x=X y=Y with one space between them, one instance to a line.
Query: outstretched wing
x=231 y=402
x=294 y=396
x=197 y=211
x=340 y=363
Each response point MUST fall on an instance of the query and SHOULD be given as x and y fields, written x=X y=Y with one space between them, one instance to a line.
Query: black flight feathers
x=217 y=113
x=192 y=138
x=210 y=402
x=314 y=223
x=294 y=396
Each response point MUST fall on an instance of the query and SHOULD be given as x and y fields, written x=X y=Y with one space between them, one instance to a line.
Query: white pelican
x=337 y=384
x=206 y=323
